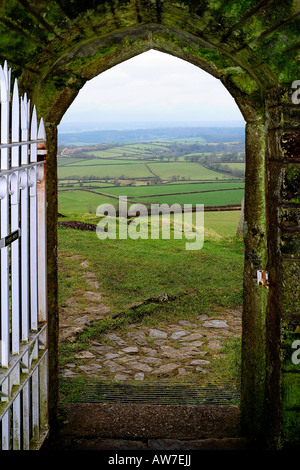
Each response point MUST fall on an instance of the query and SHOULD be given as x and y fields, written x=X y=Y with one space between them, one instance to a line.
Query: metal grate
x=165 y=393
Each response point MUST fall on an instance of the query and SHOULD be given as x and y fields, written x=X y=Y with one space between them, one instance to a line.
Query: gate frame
x=24 y=336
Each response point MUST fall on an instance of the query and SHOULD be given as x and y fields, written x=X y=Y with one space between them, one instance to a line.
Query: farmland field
x=190 y=170
x=136 y=170
x=237 y=165
x=140 y=191
x=102 y=161
x=85 y=202
x=148 y=172
x=222 y=223
x=66 y=185
x=82 y=201
x=216 y=198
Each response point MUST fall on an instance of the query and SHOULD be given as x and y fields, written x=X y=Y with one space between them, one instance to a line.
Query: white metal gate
x=23 y=329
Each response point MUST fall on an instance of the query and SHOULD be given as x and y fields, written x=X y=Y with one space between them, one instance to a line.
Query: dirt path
x=75 y=317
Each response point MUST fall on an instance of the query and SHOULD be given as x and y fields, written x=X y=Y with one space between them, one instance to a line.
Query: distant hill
x=208 y=134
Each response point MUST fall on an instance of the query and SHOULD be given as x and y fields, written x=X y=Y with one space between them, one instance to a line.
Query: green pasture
x=113 y=151
x=214 y=198
x=129 y=271
x=137 y=170
x=146 y=146
x=221 y=223
x=194 y=171
x=69 y=184
x=139 y=191
x=72 y=184
x=102 y=161
x=68 y=160
x=134 y=149
x=80 y=202
x=235 y=165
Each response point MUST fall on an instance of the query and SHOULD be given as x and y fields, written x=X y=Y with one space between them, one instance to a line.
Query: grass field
x=132 y=169
x=217 y=198
x=186 y=170
x=235 y=165
x=66 y=185
x=137 y=170
x=133 y=149
x=84 y=201
x=81 y=202
x=102 y=161
x=222 y=223
x=139 y=269
x=139 y=191
x=62 y=161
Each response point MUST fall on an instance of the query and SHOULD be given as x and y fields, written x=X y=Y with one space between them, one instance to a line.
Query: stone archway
x=67 y=44
x=255 y=192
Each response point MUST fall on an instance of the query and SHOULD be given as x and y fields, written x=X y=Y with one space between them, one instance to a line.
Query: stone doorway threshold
x=86 y=426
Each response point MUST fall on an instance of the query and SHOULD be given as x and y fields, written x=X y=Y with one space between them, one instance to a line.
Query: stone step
x=105 y=426
x=154 y=445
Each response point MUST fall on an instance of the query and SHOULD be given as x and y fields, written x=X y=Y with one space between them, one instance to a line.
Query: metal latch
x=263 y=278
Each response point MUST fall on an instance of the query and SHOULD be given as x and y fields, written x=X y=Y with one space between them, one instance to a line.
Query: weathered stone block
x=290 y=144
x=290 y=116
x=290 y=243
x=290 y=218
x=291 y=428
x=291 y=185
x=291 y=298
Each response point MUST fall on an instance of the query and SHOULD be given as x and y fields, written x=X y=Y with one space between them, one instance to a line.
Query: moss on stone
x=290 y=279
x=216 y=58
x=291 y=428
x=290 y=334
x=241 y=79
x=291 y=404
x=290 y=244
x=290 y=217
x=236 y=10
x=290 y=145
x=290 y=184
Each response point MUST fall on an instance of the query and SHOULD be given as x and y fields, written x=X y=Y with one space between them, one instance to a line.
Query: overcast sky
x=153 y=87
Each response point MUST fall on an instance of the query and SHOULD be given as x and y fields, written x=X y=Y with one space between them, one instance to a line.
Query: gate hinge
x=263 y=278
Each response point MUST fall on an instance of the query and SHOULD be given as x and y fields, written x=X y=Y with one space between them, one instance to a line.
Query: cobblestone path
x=141 y=353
